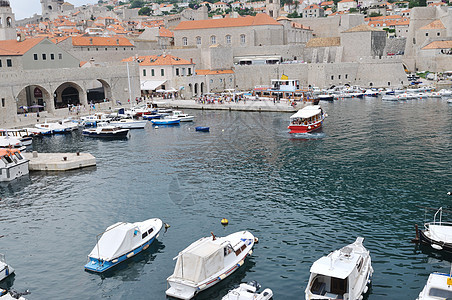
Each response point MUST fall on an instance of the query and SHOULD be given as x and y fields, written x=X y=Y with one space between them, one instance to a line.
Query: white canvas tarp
x=116 y=242
x=200 y=262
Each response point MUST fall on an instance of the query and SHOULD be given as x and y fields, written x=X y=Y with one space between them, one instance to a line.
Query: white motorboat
x=208 y=261
x=39 y=131
x=103 y=130
x=434 y=95
x=54 y=127
x=5 y=269
x=121 y=241
x=25 y=137
x=445 y=93
x=437 y=234
x=183 y=117
x=70 y=124
x=248 y=291
x=12 y=164
x=94 y=119
x=129 y=123
x=438 y=286
x=389 y=98
x=7 y=142
x=342 y=274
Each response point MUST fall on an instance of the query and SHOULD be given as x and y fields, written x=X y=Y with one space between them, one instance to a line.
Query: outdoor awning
x=149 y=85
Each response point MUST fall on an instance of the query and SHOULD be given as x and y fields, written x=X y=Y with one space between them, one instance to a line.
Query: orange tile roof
x=59 y=39
x=159 y=60
x=213 y=72
x=163 y=32
x=327 y=3
x=437 y=24
x=438 y=45
x=15 y=48
x=437 y=4
x=345 y=1
x=100 y=41
x=312 y=6
x=259 y=19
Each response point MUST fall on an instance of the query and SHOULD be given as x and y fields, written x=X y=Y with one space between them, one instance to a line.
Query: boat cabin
x=307 y=116
x=285 y=85
x=12 y=164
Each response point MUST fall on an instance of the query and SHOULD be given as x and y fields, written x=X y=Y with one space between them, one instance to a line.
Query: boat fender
x=365 y=289
x=437 y=247
x=256 y=240
x=167 y=225
x=224 y=222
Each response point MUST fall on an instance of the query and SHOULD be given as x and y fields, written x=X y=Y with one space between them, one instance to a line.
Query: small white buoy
x=156 y=127
x=449 y=193
x=222 y=130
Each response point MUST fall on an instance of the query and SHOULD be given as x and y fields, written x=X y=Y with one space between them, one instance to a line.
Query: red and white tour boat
x=307 y=119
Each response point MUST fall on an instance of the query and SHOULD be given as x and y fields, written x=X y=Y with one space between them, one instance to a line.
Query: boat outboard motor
x=255 y=284
x=17 y=295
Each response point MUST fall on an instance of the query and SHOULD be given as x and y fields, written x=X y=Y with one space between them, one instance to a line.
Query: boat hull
x=118 y=135
x=165 y=122
x=424 y=239
x=99 y=266
x=202 y=129
x=305 y=128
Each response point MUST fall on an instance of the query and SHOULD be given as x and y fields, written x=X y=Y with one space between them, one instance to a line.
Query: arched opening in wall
x=196 y=89
x=9 y=22
x=190 y=87
x=49 y=7
x=68 y=93
x=98 y=91
x=202 y=88
x=32 y=98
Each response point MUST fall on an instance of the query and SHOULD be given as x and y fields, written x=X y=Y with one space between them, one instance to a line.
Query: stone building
x=313 y=11
x=7 y=21
x=372 y=42
x=273 y=8
x=345 y=5
x=245 y=31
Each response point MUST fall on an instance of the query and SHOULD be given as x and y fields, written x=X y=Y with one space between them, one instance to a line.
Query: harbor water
x=365 y=174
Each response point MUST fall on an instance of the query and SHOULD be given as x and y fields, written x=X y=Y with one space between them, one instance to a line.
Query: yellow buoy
x=224 y=221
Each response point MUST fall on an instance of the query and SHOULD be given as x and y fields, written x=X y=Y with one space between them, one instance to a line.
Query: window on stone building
x=44 y=56
x=144 y=72
x=389 y=83
x=97 y=49
x=332 y=77
x=52 y=56
x=371 y=84
x=189 y=71
x=60 y=56
x=152 y=72
x=0 y=63
x=211 y=80
x=177 y=71
x=9 y=63
x=213 y=40
x=346 y=76
x=438 y=34
x=242 y=39
x=414 y=41
x=339 y=76
x=35 y=56
x=228 y=39
x=106 y=49
x=3 y=102
x=426 y=34
x=198 y=40
x=184 y=41
x=162 y=72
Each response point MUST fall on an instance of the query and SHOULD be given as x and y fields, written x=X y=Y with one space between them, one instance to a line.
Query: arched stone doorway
x=196 y=89
x=98 y=91
x=202 y=88
x=69 y=93
x=33 y=98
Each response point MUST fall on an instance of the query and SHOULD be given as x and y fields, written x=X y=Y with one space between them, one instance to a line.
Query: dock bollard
x=78 y=153
x=64 y=158
x=35 y=154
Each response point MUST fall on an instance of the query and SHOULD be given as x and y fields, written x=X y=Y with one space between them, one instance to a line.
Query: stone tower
x=272 y=8
x=7 y=22
x=50 y=6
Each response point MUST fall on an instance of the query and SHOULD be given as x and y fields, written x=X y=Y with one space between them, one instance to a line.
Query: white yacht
x=183 y=117
x=342 y=274
x=5 y=269
x=7 y=142
x=439 y=286
x=208 y=261
x=54 y=127
x=437 y=234
x=129 y=123
x=248 y=291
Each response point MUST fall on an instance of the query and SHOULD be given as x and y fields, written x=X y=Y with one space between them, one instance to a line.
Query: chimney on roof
x=191 y=60
x=20 y=37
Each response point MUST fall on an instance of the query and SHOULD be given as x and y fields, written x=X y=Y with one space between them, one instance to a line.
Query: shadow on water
x=433 y=253
x=131 y=269
x=13 y=187
x=221 y=289
x=8 y=283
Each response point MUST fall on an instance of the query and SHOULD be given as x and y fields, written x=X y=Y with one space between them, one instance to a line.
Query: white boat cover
x=198 y=263
x=441 y=233
x=307 y=112
x=116 y=241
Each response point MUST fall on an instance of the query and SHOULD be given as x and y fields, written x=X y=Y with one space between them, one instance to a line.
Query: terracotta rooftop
x=438 y=45
x=100 y=41
x=213 y=72
x=345 y=1
x=159 y=60
x=259 y=19
x=324 y=42
x=163 y=32
x=437 y=4
x=312 y=6
x=327 y=3
x=363 y=28
x=15 y=48
x=437 y=24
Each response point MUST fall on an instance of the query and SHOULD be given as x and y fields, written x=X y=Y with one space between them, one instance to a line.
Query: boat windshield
x=436 y=292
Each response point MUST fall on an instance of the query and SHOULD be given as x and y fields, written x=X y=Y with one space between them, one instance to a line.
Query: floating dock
x=59 y=161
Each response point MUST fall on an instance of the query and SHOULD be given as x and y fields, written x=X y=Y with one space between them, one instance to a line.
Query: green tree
x=294 y=15
x=100 y=2
x=353 y=10
x=145 y=11
x=136 y=4
x=110 y=7
x=375 y=14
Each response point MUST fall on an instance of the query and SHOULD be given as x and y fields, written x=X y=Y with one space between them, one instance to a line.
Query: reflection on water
x=303 y=197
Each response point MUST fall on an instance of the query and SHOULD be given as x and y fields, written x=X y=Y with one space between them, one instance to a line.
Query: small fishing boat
x=70 y=124
x=5 y=269
x=248 y=291
x=39 y=132
x=437 y=234
x=54 y=127
x=106 y=131
x=208 y=261
x=7 y=142
x=151 y=117
x=307 y=119
x=389 y=98
x=166 y=121
x=371 y=93
x=121 y=241
x=342 y=274
x=183 y=117
x=438 y=286
x=202 y=128
x=326 y=97
x=129 y=123
x=445 y=93
x=25 y=137
x=94 y=119
x=12 y=164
